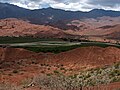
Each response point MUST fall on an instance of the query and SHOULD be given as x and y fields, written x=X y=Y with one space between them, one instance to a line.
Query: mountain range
x=50 y=15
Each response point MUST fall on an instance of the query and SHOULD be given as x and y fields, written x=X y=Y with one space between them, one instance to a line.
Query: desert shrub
x=62 y=68
x=48 y=68
x=98 y=76
x=7 y=86
x=94 y=77
x=28 y=82
x=15 y=71
x=117 y=89
x=55 y=82
x=49 y=74
x=56 y=72
x=115 y=73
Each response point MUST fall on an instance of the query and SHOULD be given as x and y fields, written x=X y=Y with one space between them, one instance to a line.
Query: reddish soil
x=97 y=29
x=104 y=29
x=98 y=26
x=88 y=56
x=16 y=27
x=28 y=64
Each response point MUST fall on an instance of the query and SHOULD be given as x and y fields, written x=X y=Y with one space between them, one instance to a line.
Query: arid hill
x=17 y=27
x=100 y=29
x=114 y=33
x=93 y=56
x=95 y=27
x=81 y=58
x=17 y=64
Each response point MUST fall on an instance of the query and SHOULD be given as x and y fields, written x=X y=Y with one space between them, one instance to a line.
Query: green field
x=58 y=49
x=9 y=40
x=48 y=45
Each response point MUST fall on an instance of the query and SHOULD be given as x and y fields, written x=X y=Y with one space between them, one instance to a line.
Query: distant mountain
x=12 y=11
x=48 y=15
x=100 y=13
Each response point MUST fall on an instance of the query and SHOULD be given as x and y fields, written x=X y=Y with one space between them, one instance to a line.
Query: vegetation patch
x=27 y=39
x=7 y=86
x=49 y=45
x=93 y=77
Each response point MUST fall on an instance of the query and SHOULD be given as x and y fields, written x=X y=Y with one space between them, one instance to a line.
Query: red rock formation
x=16 y=27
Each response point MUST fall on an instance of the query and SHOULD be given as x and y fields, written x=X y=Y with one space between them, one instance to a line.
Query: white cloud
x=20 y=5
x=74 y=5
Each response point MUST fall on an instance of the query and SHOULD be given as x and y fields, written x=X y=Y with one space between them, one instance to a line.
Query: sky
x=73 y=5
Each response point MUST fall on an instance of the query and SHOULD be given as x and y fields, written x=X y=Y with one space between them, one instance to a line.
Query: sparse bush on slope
x=6 y=86
x=59 y=82
x=106 y=75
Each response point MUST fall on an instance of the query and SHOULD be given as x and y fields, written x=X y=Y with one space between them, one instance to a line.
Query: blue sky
x=73 y=5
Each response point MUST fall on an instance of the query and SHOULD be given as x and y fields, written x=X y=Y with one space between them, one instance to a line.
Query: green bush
x=56 y=72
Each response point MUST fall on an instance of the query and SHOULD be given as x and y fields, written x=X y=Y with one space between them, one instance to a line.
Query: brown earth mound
x=102 y=27
x=18 y=64
x=114 y=33
x=12 y=56
x=16 y=27
x=85 y=56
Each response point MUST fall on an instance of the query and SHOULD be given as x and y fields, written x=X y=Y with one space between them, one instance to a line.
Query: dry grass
x=7 y=86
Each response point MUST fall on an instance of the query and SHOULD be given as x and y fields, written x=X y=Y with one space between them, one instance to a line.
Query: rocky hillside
x=83 y=66
x=16 y=27
x=77 y=59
